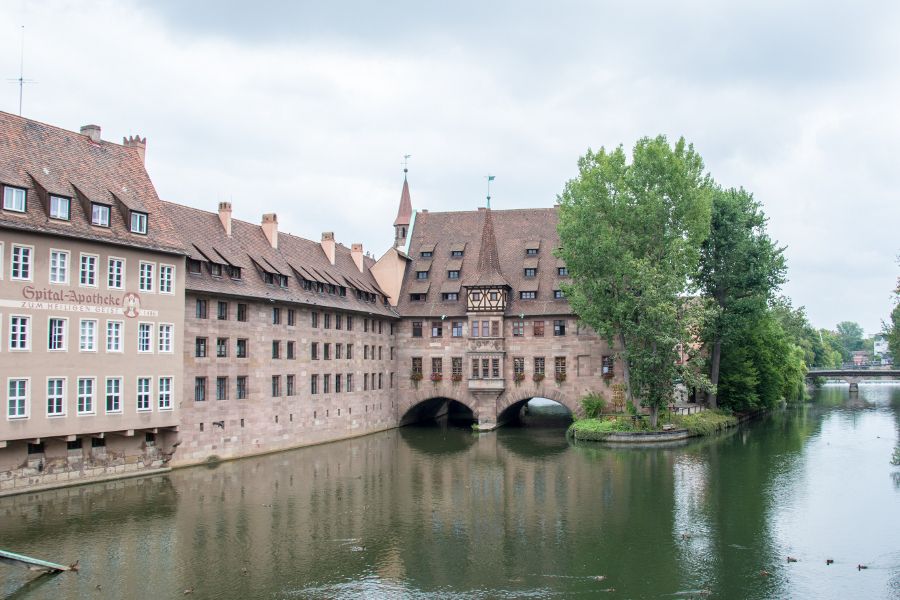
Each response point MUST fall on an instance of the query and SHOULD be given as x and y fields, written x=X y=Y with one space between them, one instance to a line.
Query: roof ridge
x=57 y=127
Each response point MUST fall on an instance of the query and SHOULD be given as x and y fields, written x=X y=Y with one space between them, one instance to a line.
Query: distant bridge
x=854 y=376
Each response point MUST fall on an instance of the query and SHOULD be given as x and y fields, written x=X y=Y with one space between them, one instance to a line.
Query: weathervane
x=21 y=79
x=404 y=163
x=489 y=178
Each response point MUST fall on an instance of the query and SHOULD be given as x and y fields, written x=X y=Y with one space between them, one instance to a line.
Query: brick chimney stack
x=134 y=141
x=92 y=131
x=225 y=216
x=328 y=245
x=356 y=251
x=270 y=228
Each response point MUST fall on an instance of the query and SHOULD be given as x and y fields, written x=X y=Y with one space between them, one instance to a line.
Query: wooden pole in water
x=34 y=563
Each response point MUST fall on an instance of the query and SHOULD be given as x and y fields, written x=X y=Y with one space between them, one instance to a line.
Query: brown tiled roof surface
x=404 y=213
x=487 y=272
x=48 y=160
x=513 y=231
x=249 y=247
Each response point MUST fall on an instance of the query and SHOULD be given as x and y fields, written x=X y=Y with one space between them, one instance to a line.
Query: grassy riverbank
x=707 y=422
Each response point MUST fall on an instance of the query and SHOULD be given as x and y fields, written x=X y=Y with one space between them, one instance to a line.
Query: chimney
x=328 y=245
x=92 y=131
x=225 y=217
x=356 y=251
x=269 y=227
x=134 y=141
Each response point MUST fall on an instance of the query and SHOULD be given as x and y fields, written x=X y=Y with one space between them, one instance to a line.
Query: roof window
x=99 y=214
x=13 y=198
x=138 y=222
x=59 y=207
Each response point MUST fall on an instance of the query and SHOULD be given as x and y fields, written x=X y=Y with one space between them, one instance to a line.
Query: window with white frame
x=87 y=335
x=88 y=272
x=85 y=395
x=56 y=396
x=20 y=263
x=143 y=393
x=165 y=393
x=165 y=337
x=114 y=336
x=59 y=207
x=113 y=394
x=145 y=332
x=17 y=399
x=138 y=222
x=19 y=332
x=13 y=198
x=115 y=273
x=100 y=215
x=56 y=334
x=59 y=266
x=145 y=277
x=166 y=279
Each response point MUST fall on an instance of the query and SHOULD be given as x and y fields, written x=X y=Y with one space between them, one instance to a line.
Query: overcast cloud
x=307 y=110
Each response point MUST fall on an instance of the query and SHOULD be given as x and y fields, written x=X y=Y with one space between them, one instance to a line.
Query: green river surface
x=440 y=512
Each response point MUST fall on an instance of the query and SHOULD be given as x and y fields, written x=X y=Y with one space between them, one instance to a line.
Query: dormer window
x=13 y=198
x=452 y=274
x=562 y=271
x=530 y=272
x=531 y=251
x=421 y=274
x=558 y=295
x=282 y=280
x=234 y=273
x=193 y=266
x=59 y=208
x=527 y=295
x=456 y=253
x=426 y=254
x=417 y=297
x=138 y=222
x=99 y=214
x=450 y=296
x=215 y=269
x=268 y=277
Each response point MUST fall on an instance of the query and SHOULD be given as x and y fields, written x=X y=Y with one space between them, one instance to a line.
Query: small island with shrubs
x=630 y=425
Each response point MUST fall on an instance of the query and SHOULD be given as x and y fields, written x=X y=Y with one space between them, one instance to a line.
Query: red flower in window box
x=519 y=377
x=560 y=377
x=456 y=377
x=537 y=377
x=436 y=377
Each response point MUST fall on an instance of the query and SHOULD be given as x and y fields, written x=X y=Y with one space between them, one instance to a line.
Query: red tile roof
x=513 y=232
x=248 y=247
x=45 y=160
x=404 y=213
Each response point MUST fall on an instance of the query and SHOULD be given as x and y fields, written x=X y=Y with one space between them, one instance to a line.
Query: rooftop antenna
x=405 y=164
x=21 y=79
x=489 y=178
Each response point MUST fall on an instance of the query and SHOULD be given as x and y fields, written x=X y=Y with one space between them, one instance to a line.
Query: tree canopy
x=631 y=236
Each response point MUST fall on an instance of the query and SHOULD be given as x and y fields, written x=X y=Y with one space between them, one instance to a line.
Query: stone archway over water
x=436 y=407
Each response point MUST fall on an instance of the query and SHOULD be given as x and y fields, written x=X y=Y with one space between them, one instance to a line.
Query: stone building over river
x=140 y=334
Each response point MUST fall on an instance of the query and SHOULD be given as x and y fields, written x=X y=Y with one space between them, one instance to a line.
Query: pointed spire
x=404 y=213
x=488 y=272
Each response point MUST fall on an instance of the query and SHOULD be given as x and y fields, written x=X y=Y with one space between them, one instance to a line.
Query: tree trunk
x=712 y=397
x=654 y=416
x=626 y=371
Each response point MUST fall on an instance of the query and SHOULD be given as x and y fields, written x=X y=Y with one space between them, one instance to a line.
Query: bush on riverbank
x=707 y=422
x=598 y=428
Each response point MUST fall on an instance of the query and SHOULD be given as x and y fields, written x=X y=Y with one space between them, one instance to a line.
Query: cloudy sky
x=307 y=109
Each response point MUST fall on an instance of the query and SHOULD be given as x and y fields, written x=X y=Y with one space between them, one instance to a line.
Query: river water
x=440 y=512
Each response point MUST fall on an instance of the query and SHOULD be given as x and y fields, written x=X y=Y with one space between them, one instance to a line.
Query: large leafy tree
x=740 y=269
x=893 y=328
x=631 y=235
x=851 y=337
